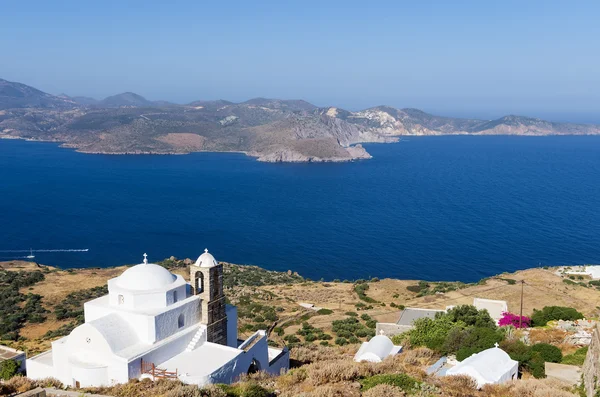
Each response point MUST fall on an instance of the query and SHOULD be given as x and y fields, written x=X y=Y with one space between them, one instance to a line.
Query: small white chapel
x=154 y=324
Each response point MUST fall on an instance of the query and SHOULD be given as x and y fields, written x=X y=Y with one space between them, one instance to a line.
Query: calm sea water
x=437 y=208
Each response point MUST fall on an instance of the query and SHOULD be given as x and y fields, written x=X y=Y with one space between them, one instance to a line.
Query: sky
x=480 y=59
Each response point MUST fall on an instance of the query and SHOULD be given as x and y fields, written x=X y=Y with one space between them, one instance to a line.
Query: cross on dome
x=496 y=344
x=206 y=250
x=145 y=258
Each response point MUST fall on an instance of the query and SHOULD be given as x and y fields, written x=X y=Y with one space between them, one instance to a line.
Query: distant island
x=271 y=130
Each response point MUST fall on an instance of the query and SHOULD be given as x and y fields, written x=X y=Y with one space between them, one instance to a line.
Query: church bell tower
x=206 y=277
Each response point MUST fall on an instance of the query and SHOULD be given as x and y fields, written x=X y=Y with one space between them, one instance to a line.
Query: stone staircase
x=198 y=339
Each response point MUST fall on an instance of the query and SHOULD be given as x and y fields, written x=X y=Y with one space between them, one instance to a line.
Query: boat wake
x=49 y=250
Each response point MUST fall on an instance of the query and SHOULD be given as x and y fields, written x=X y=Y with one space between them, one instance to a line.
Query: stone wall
x=591 y=366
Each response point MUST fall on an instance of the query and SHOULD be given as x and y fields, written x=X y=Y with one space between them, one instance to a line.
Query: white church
x=153 y=324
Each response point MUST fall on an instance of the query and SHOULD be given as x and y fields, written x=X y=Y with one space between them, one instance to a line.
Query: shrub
x=324 y=343
x=550 y=313
x=517 y=350
x=324 y=311
x=384 y=390
x=310 y=338
x=537 y=366
x=548 y=353
x=514 y=320
x=403 y=381
x=8 y=369
x=341 y=341
x=372 y=324
x=365 y=317
x=351 y=314
x=353 y=339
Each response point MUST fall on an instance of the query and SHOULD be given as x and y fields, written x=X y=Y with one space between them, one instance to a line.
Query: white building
x=154 y=324
x=495 y=308
x=376 y=350
x=489 y=366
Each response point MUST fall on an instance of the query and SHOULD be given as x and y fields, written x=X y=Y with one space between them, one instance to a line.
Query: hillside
x=271 y=130
x=52 y=300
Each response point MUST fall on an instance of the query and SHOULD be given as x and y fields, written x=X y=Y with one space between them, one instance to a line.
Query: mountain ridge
x=272 y=130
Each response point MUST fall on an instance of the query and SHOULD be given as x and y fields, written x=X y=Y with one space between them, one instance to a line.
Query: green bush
x=466 y=352
x=324 y=343
x=351 y=314
x=371 y=324
x=537 y=366
x=402 y=381
x=550 y=313
x=310 y=338
x=576 y=358
x=324 y=311
x=517 y=350
x=341 y=341
x=548 y=353
x=8 y=369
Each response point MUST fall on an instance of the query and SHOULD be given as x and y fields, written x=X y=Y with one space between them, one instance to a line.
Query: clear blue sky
x=465 y=58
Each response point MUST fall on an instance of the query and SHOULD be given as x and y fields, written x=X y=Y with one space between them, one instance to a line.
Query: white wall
x=161 y=354
x=39 y=368
x=280 y=365
x=166 y=324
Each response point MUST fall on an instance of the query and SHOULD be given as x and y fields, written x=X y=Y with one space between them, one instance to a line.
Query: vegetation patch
x=403 y=381
x=72 y=305
x=16 y=308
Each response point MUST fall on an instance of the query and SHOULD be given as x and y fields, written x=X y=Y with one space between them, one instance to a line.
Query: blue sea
x=434 y=208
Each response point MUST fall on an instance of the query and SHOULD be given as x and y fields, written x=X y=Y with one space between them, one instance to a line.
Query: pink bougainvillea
x=513 y=319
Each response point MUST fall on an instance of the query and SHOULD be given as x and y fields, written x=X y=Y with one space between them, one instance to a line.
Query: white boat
x=30 y=256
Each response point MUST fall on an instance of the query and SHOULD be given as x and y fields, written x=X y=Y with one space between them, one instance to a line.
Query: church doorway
x=254 y=367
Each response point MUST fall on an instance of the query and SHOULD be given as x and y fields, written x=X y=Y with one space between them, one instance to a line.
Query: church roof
x=206 y=260
x=378 y=348
x=489 y=366
x=145 y=277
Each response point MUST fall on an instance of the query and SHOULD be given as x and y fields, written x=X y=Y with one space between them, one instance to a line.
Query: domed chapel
x=154 y=324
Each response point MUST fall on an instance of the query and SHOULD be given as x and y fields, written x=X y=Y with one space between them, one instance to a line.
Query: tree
x=8 y=369
x=470 y=316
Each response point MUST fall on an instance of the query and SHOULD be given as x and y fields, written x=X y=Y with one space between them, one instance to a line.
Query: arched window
x=174 y=296
x=199 y=282
x=121 y=299
x=181 y=321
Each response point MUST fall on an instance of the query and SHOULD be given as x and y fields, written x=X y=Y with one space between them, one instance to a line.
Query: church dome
x=145 y=276
x=206 y=260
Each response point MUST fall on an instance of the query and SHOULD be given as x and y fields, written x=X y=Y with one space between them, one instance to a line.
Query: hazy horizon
x=471 y=60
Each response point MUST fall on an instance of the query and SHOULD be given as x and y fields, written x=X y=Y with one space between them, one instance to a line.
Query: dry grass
x=457 y=386
x=552 y=336
x=541 y=388
x=542 y=288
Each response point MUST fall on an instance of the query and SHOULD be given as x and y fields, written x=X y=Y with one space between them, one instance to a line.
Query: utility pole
x=521 y=312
